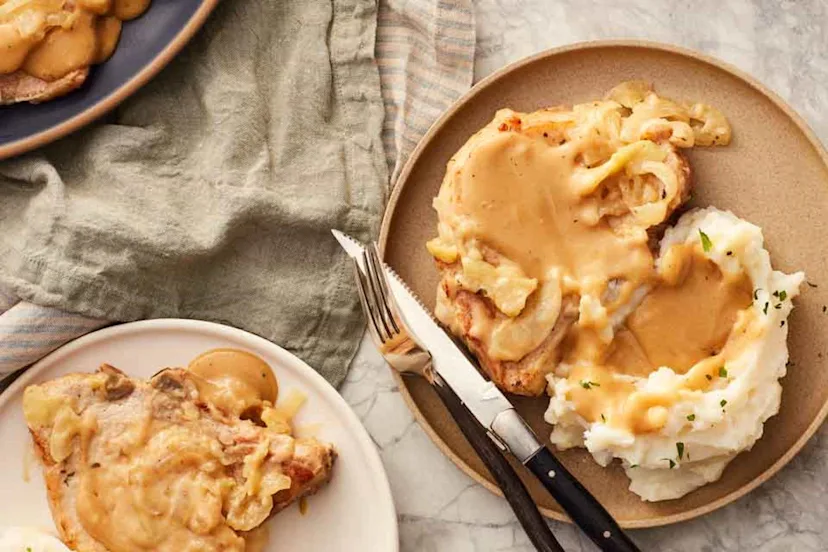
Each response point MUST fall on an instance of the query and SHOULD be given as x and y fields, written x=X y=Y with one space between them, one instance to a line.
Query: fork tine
x=382 y=286
x=363 y=300
x=374 y=296
x=399 y=349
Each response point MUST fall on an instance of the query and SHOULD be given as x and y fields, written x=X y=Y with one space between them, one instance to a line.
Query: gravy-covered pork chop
x=546 y=221
x=136 y=465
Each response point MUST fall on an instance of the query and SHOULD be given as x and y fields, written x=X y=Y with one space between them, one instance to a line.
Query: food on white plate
x=564 y=270
x=48 y=46
x=192 y=460
x=29 y=539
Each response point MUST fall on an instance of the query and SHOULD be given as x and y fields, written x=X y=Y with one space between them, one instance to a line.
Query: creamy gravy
x=59 y=36
x=516 y=190
x=572 y=209
x=107 y=32
x=684 y=321
x=28 y=458
x=167 y=498
x=234 y=380
x=168 y=481
x=256 y=540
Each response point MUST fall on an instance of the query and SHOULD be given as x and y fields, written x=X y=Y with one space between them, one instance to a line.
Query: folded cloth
x=29 y=332
x=425 y=52
x=210 y=193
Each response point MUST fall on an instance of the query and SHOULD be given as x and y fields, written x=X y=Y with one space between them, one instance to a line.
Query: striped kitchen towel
x=425 y=52
x=29 y=332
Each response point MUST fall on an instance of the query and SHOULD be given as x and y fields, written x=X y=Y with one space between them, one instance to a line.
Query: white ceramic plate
x=354 y=512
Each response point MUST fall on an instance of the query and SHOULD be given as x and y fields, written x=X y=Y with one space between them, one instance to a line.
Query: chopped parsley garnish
x=722 y=372
x=603 y=418
x=680 y=449
x=810 y=284
x=756 y=293
x=729 y=253
x=778 y=306
x=765 y=310
x=634 y=465
x=707 y=245
x=723 y=402
x=783 y=295
x=672 y=463
x=781 y=323
x=586 y=384
x=691 y=417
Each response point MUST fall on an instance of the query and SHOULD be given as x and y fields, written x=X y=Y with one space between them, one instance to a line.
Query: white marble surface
x=785 y=45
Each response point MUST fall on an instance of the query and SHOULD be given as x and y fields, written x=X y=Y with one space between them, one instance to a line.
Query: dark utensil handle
x=579 y=504
x=519 y=499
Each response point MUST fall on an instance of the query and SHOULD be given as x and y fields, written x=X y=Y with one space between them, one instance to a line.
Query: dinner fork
x=405 y=355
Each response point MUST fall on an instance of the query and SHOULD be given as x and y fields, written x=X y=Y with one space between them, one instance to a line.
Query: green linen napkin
x=210 y=194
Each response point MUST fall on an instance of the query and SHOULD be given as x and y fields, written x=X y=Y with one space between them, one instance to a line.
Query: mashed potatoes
x=29 y=539
x=701 y=416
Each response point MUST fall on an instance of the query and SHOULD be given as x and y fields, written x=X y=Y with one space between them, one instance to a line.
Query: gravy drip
x=50 y=39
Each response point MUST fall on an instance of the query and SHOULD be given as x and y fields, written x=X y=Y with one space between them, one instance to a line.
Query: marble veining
x=782 y=43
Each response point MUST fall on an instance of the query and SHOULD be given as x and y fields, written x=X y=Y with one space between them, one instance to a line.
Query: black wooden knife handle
x=579 y=504
x=507 y=479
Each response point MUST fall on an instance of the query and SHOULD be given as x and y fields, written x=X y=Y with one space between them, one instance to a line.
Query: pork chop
x=21 y=87
x=135 y=465
x=484 y=231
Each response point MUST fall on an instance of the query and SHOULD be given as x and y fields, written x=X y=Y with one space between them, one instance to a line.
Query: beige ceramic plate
x=773 y=174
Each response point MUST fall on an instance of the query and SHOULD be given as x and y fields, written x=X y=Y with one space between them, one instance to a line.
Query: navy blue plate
x=147 y=44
